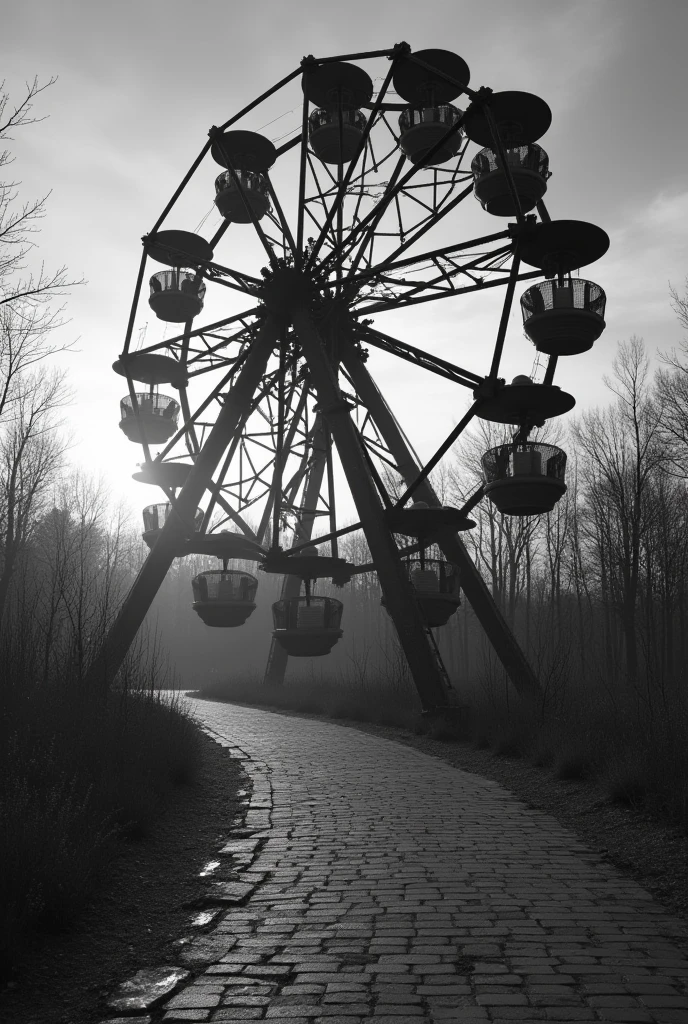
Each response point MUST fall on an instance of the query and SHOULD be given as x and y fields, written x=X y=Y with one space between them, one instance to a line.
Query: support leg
x=488 y=614
x=291 y=587
x=236 y=409
x=399 y=597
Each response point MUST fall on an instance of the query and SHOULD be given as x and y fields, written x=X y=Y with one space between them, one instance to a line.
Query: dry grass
x=77 y=770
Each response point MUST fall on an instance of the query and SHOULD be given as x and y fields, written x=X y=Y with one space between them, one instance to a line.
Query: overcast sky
x=139 y=84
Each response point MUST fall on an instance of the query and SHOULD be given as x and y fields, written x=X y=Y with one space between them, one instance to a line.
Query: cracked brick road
x=392 y=886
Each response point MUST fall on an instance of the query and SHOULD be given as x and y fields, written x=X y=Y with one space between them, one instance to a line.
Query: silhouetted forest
x=78 y=768
x=597 y=591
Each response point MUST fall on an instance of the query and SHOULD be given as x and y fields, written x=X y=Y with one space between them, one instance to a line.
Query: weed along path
x=382 y=883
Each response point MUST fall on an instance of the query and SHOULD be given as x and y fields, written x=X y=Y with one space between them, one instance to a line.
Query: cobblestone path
x=392 y=886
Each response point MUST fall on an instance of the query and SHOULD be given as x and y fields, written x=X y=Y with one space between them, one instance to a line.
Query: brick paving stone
x=561 y=1013
x=187 y=1015
x=401 y=1017
x=193 y=998
x=445 y=1013
x=365 y=899
x=234 y=1000
x=290 y=1012
x=501 y=999
x=497 y=979
x=522 y=1013
x=229 y=1014
x=393 y=1009
x=625 y=1016
x=468 y=1013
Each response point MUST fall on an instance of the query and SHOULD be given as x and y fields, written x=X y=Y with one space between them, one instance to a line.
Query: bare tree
x=30 y=449
x=621 y=450
x=21 y=287
x=31 y=452
x=672 y=391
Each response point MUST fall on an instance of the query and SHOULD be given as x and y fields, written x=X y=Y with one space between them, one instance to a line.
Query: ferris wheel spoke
x=315 y=220
x=241 y=337
x=506 y=310
x=435 y=211
x=393 y=189
x=391 y=131
x=410 y=194
x=257 y=311
x=402 y=290
x=444 y=281
x=361 y=192
x=234 y=286
x=337 y=205
x=370 y=221
x=280 y=214
x=390 y=264
x=386 y=343
x=380 y=307
x=219 y=234
x=194 y=419
x=192 y=445
x=321 y=196
x=231 y=514
x=208 y=354
x=303 y=166
x=430 y=223
x=215 y=271
x=427 y=469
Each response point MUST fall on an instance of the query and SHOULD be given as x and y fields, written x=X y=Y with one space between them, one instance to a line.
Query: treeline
x=78 y=768
x=596 y=591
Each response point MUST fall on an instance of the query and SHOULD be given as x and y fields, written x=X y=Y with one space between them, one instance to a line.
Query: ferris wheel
x=260 y=424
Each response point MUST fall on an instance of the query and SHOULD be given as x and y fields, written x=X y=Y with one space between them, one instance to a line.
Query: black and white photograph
x=344 y=512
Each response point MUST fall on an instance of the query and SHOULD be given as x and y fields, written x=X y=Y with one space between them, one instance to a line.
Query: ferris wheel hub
x=285 y=290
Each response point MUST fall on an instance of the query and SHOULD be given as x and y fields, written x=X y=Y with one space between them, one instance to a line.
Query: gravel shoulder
x=139 y=911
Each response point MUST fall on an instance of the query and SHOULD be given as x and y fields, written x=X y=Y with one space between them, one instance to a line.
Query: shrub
x=572 y=764
x=77 y=770
x=626 y=783
x=355 y=696
x=507 y=743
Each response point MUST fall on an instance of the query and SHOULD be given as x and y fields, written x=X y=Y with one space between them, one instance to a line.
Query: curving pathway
x=381 y=883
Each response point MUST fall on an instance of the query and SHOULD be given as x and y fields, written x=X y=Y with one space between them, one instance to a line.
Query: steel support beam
x=399 y=596
x=236 y=409
x=477 y=593
x=291 y=585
